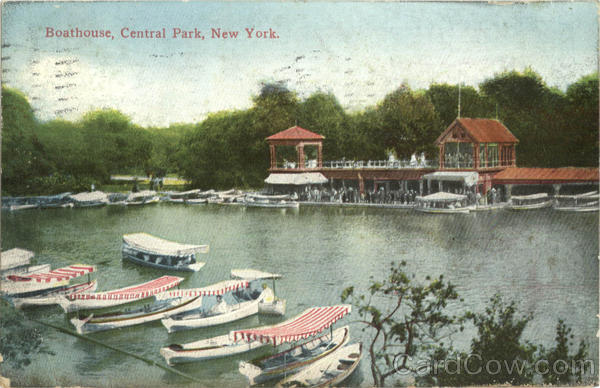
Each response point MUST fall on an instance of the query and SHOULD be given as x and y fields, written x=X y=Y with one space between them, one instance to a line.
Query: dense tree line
x=228 y=148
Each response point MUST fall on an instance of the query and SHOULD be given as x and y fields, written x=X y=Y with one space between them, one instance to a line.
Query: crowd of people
x=353 y=195
x=383 y=196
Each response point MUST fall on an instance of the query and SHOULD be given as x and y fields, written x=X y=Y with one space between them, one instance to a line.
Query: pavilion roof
x=481 y=131
x=296 y=133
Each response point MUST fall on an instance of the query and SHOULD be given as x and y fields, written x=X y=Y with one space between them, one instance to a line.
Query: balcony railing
x=361 y=164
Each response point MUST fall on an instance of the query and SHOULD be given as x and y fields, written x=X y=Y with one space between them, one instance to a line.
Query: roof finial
x=496 y=111
x=459 y=100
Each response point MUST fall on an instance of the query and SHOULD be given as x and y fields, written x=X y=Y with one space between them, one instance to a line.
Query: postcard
x=200 y=193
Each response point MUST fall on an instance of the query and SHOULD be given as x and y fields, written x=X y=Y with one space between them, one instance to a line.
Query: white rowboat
x=328 y=371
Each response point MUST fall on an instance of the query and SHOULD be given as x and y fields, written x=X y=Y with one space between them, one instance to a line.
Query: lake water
x=545 y=260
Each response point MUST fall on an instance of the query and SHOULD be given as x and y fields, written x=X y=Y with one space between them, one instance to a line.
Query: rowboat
x=229 y=345
x=244 y=301
x=144 y=197
x=89 y=199
x=207 y=349
x=443 y=203
x=529 y=202
x=165 y=305
x=100 y=300
x=270 y=201
x=328 y=371
x=54 y=297
x=177 y=195
x=120 y=319
x=580 y=203
x=32 y=284
x=14 y=208
x=148 y=250
x=196 y=201
x=307 y=324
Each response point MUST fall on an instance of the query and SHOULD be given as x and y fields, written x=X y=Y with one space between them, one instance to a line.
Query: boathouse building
x=474 y=155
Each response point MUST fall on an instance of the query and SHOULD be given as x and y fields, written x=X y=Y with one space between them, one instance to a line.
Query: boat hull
x=577 y=209
x=217 y=347
x=329 y=371
x=275 y=205
x=133 y=256
x=532 y=206
x=277 y=307
x=258 y=372
x=54 y=297
x=121 y=320
x=30 y=289
x=443 y=211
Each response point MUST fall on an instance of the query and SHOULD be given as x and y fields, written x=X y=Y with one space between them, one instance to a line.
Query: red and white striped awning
x=309 y=323
x=214 y=289
x=56 y=275
x=139 y=291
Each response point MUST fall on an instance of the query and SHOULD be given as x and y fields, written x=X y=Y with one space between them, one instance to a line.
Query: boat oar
x=147 y=361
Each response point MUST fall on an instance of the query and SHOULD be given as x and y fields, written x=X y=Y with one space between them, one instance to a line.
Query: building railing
x=470 y=164
x=361 y=164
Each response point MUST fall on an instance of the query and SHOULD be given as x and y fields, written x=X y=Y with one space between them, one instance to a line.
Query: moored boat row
x=436 y=203
x=245 y=294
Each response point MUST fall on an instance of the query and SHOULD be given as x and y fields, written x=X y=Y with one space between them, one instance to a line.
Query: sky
x=359 y=51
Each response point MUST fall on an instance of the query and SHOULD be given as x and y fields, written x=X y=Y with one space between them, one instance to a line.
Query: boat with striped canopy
x=31 y=284
x=165 y=305
x=328 y=371
x=231 y=344
x=54 y=297
x=152 y=251
x=99 y=300
x=311 y=322
x=243 y=298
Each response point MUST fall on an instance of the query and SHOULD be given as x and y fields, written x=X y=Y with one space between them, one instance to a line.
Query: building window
x=492 y=154
x=482 y=162
x=458 y=155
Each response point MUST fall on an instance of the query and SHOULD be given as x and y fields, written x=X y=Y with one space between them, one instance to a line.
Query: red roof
x=546 y=175
x=482 y=131
x=295 y=133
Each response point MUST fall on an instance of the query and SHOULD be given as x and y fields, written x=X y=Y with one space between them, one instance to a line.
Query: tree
x=497 y=354
x=535 y=114
x=444 y=98
x=404 y=317
x=23 y=156
x=582 y=121
x=323 y=114
x=560 y=367
x=409 y=123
